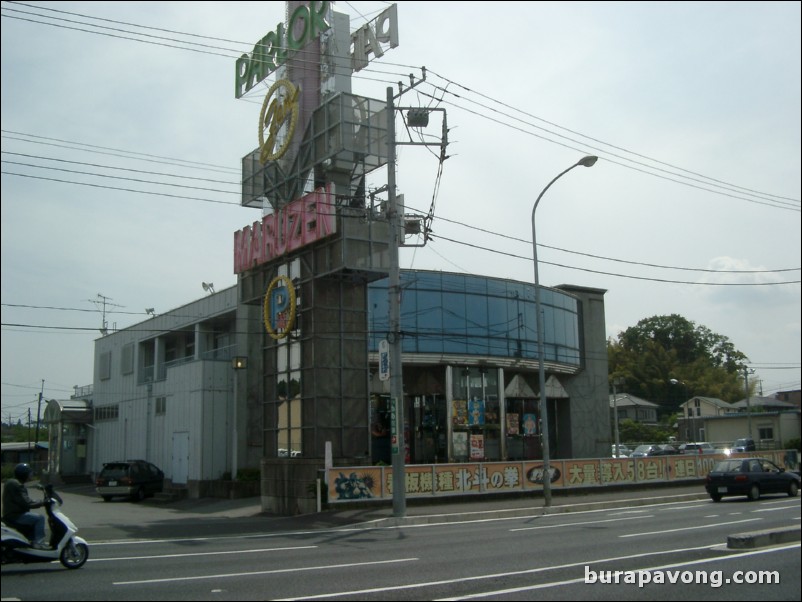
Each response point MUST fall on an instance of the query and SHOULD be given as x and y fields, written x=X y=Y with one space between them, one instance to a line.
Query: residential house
x=630 y=407
x=695 y=411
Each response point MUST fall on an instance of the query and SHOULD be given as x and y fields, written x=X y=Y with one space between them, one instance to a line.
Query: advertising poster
x=530 y=424
x=460 y=412
x=476 y=412
x=460 y=445
x=477 y=447
x=512 y=423
x=355 y=484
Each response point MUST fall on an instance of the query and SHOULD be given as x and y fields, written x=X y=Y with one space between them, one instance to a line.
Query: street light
x=692 y=411
x=747 y=372
x=237 y=363
x=617 y=381
x=587 y=161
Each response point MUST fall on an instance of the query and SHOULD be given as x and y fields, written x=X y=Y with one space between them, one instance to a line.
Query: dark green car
x=751 y=477
x=134 y=479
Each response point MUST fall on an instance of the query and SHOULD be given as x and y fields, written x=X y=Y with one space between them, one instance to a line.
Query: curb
x=761 y=539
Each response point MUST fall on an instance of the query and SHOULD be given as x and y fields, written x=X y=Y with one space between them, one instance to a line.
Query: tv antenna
x=101 y=302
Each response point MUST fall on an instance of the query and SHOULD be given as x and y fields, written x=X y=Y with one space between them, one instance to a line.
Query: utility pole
x=39 y=410
x=394 y=298
x=748 y=402
x=396 y=223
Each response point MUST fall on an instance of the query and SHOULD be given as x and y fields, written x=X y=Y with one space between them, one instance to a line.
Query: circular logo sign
x=278 y=118
x=279 y=307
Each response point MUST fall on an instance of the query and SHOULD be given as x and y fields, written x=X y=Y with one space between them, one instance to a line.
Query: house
x=630 y=407
x=769 y=429
x=763 y=404
x=31 y=453
x=694 y=412
x=794 y=396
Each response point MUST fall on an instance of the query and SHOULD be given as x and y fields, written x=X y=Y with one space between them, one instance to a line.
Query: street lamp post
x=617 y=381
x=747 y=371
x=691 y=410
x=237 y=363
x=587 y=161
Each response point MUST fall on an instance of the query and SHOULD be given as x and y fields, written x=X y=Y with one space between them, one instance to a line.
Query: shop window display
x=475 y=415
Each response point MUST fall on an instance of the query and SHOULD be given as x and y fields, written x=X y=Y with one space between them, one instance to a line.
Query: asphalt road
x=490 y=549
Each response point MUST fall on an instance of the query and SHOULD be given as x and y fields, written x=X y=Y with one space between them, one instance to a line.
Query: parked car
x=135 y=479
x=644 y=450
x=623 y=451
x=664 y=450
x=751 y=477
x=743 y=445
x=697 y=448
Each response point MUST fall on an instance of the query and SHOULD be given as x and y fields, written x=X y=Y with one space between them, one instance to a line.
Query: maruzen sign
x=305 y=24
x=300 y=223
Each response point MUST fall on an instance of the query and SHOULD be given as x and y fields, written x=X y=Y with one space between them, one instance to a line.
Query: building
x=771 y=429
x=163 y=392
x=165 y=388
x=694 y=412
x=630 y=407
x=286 y=371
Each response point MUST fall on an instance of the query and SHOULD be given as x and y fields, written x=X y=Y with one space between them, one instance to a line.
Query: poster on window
x=476 y=412
x=530 y=424
x=512 y=423
x=460 y=441
x=460 y=412
x=477 y=447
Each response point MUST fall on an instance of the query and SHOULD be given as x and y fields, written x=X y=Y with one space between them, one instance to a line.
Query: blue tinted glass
x=464 y=314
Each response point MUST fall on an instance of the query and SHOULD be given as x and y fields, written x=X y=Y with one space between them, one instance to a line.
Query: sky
x=122 y=141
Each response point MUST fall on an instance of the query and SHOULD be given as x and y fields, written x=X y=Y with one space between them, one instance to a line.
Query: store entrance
x=429 y=429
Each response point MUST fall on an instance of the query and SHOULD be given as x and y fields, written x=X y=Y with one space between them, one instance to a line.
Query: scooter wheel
x=74 y=556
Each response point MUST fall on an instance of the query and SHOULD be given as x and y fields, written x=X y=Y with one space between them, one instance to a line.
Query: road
x=559 y=556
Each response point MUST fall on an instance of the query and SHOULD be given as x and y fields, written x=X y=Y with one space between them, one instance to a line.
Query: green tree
x=661 y=348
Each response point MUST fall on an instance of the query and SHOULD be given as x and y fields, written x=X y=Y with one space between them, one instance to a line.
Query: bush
x=249 y=474
x=794 y=444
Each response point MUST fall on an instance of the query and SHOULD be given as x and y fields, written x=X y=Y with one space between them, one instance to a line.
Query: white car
x=697 y=448
x=623 y=451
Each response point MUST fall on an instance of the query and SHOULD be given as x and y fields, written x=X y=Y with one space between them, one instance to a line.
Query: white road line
x=734 y=522
x=504 y=575
x=273 y=572
x=588 y=522
x=187 y=555
x=652 y=568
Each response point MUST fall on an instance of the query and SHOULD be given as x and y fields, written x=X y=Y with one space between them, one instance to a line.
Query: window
x=161 y=406
x=107 y=413
x=765 y=432
x=104 y=366
x=127 y=359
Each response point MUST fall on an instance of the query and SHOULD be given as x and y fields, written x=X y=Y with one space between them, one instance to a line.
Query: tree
x=661 y=348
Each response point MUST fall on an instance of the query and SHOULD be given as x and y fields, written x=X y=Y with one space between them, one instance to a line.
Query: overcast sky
x=692 y=209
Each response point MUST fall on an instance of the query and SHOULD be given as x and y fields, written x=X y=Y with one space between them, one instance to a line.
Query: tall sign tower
x=304 y=266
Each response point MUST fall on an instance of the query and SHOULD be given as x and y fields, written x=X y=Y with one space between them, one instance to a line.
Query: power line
x=711 y=181
x=499 y=102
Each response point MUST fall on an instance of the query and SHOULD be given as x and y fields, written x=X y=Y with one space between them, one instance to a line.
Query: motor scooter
x=65 y=546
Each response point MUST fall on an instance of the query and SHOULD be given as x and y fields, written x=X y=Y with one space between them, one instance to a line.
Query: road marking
x=648 y=569
x=734 y=522
x=273 y=572
x=589 y=522
x=582 y=563
x=187 y=555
